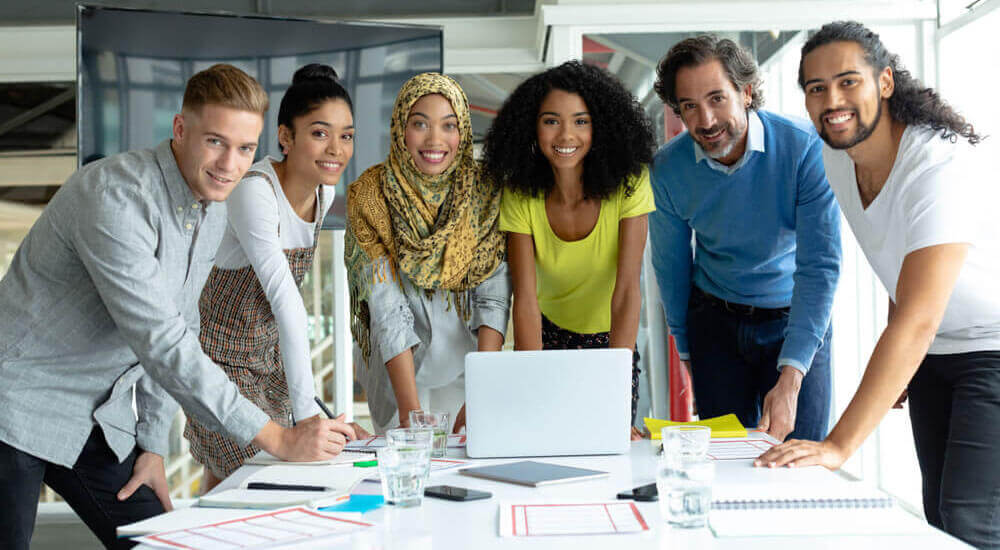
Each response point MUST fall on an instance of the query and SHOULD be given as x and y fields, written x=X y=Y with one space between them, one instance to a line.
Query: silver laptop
x=548 y=403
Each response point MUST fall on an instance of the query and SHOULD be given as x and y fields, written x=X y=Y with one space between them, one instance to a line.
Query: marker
x=366 y=463
x=283 y=487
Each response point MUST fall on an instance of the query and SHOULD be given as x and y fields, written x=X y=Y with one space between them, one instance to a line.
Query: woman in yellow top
x=570 y=147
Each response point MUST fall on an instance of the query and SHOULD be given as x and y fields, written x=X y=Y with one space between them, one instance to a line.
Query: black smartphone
x=645 y=493
x=449 y=492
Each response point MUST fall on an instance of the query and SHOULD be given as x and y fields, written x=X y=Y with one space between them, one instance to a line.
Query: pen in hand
x=323 y=406
x=326 y=410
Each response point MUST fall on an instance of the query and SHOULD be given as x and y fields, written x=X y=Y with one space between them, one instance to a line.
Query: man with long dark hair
x=919 y=198
x=751 y=311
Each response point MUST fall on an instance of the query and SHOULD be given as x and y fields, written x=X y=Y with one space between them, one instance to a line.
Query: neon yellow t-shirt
x=576 y=278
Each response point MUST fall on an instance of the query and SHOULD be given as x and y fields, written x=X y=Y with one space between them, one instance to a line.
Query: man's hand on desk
x=148 y=470
x=314 y=438
x=797 y=453
x=777 y=416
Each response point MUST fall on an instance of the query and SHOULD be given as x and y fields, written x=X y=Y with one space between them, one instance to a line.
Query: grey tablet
x=532 y=474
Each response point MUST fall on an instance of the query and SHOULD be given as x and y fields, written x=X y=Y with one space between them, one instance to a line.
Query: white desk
x=444 y=525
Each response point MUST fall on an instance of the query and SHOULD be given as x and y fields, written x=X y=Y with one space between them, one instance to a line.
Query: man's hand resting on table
x=777 y=416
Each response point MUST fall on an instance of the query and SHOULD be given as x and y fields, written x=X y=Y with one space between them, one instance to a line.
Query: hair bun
x=315 y=71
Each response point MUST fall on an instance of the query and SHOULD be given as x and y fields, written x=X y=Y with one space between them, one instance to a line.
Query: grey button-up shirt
x=407 y=317
x=101 y=297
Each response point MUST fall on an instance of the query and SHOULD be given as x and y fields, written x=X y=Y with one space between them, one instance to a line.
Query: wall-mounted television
x=132 y=66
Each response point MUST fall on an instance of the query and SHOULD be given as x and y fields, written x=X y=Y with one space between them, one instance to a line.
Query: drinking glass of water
x=409 y=437
x=685 y=442
x=436 y=421
x=685 y=489
x=404 y=472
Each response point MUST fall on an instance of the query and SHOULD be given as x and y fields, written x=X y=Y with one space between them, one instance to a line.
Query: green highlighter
x=366 y=463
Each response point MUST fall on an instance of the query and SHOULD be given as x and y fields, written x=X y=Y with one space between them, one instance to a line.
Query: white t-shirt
x=938 y=192
x=255 y=213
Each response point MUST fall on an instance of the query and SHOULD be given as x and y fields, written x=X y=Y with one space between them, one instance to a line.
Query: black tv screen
x=132 y=66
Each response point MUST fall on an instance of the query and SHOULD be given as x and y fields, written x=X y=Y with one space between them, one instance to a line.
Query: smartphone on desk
x=460 y=494
x=644 y=493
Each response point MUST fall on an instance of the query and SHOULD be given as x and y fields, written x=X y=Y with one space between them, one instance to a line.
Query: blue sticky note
x=357 y=503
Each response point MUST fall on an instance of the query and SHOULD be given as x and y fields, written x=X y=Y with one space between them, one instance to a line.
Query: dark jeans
x=955 y=414
x=734 y=363
x=90 y=488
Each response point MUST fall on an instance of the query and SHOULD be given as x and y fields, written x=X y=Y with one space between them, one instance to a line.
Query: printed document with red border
x=570 y=518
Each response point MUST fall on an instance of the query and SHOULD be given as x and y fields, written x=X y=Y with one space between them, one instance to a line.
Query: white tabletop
x=442 y=525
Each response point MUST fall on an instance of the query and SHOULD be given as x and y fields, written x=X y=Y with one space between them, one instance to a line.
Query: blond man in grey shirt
x=101 y=302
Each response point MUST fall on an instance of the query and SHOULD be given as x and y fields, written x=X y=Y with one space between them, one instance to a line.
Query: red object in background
x=681 y=392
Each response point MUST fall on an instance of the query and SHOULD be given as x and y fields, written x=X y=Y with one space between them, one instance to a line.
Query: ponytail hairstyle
x=312 y=85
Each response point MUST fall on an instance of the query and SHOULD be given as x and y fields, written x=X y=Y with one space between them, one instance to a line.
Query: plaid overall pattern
x=239 y=333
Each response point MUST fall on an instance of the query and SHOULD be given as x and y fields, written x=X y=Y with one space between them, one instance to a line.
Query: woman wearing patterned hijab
x=425 y=260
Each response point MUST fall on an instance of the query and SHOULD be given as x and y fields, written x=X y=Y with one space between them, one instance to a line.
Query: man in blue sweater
x=749 y=307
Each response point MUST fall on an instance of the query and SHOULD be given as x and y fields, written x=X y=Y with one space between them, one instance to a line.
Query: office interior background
x=490 y=46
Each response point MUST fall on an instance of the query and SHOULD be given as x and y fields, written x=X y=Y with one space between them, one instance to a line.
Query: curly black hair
x=911 y=102
x=622 y=135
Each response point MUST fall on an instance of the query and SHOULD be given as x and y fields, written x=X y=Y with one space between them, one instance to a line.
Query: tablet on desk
x=532 y=474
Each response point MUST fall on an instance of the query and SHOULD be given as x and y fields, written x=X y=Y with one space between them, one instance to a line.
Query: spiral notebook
x=808 y=510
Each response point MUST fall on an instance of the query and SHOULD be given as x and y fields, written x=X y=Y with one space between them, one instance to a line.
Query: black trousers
x=955 y=413
x=90 y=488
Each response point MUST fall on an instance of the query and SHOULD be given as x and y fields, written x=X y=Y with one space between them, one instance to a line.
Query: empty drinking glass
x=436 y=421
x=404 y=471
x=685 y=489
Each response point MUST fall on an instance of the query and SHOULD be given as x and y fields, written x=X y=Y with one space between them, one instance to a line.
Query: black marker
x=283 y=487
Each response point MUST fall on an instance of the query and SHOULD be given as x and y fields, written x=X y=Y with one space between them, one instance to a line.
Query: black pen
x=323 y=406
x=283 y=487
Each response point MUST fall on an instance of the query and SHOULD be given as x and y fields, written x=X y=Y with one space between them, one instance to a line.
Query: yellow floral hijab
x=440 y=231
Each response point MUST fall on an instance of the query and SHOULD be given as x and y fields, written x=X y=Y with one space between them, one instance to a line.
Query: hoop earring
x=534 y=147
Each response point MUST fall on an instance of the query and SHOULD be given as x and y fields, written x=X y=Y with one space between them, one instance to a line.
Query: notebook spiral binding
x=789 y=504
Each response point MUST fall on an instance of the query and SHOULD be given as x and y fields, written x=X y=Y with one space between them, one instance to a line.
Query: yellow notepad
x=722 y=426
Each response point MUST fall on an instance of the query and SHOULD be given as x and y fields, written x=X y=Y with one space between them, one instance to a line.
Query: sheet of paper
x=183 y=518
x=737 y=449
x=437 y=465
x=570 y=518
x=265 y=458
x=335 y=478
x=267 y=530
x=455 y=441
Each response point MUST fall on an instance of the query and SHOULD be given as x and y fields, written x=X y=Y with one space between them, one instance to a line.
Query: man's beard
x=861 y=134
x=723 y=150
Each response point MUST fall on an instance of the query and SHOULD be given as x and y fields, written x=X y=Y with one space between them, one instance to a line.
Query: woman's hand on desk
x=796 y=453
x=459 y=420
